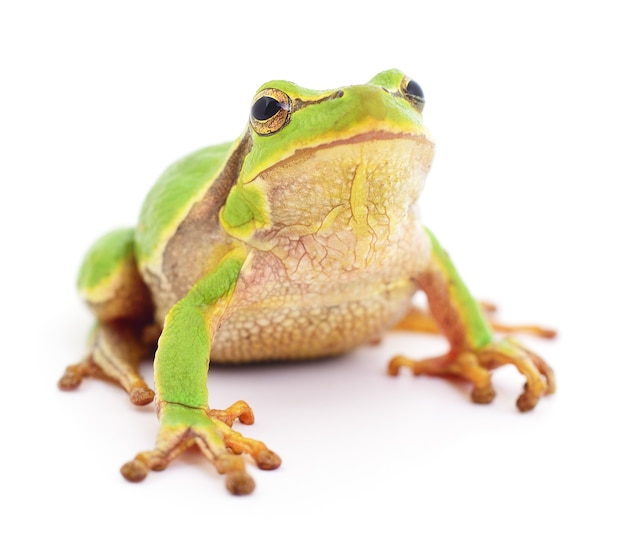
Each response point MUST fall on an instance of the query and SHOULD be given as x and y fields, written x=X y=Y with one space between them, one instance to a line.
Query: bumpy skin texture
x=299 y=240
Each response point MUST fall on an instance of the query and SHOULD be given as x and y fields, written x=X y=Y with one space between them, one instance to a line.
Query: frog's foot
x=74 y=374
x=183 y=427
x=239 y=410
x=419 y=320
x=138 y=391
x=116 y=352
x=474 y=366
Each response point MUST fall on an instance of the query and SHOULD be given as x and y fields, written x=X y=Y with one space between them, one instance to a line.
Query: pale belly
x=285 y=310
x=308 y=326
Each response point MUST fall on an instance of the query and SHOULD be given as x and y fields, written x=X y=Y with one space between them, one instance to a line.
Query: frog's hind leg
x=466 y=366
x=474 y=352
x=110 y=283
x=417 y=319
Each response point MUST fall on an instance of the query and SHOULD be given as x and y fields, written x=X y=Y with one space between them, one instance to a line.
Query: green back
x=171 y=197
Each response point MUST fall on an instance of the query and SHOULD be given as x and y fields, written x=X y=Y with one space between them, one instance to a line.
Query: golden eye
x=413 y=93
x=270 y=112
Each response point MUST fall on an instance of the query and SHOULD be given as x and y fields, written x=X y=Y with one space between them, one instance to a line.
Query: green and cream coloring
x=301 y=239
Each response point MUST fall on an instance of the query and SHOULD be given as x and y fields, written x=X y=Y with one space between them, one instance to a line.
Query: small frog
x=300 y=239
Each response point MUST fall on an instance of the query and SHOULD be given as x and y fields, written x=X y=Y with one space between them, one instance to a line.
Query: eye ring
x=413 y=93
x=270 y=111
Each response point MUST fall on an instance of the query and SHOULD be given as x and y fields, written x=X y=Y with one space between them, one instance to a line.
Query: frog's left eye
x=270 y=112
x=413 y=93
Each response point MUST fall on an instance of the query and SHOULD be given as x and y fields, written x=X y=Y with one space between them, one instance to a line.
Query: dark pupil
x=414 y=89
x=265 y=107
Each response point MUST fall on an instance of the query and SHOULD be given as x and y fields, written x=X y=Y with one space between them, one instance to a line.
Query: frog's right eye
x=270 y=112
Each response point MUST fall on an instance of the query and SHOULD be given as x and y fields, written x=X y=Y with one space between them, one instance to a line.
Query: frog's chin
x=368 y=183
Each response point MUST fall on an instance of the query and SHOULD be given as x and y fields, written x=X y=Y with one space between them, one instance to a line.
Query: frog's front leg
x=473 y=350
x=180 y=365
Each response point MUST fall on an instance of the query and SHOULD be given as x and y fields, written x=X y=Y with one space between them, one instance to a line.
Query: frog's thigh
x=109 y=280
x=111 y=285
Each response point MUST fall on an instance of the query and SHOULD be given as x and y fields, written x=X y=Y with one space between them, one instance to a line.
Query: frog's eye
x=270 y=112
x=413 y=93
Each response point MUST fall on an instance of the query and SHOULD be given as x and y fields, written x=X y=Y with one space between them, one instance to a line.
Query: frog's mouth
x=423 y=141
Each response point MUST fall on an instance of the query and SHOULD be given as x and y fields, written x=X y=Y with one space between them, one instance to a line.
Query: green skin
x=200 y=270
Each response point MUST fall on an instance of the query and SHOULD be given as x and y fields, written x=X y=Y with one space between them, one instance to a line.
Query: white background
x=526 y=101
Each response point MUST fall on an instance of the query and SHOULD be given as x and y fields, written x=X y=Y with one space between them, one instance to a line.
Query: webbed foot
x=474 y=366
x=210 y=430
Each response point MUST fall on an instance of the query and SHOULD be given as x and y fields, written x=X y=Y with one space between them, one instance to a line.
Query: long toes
x=527 y=401
x=239 y=410
x=141 y=395
x=240 y=483
x=483 y=395
x=545 y=370
x=183 y=427
x=69 y=381
x=268 y=460
x=547 y=373
x=74 y=374
x=137 y=469
x=134 y=471
x=550 y=380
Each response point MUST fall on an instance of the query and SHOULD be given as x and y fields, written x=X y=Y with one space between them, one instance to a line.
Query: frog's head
x=316 y=159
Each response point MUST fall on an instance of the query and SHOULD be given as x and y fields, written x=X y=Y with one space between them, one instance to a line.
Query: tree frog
x=300 y=239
